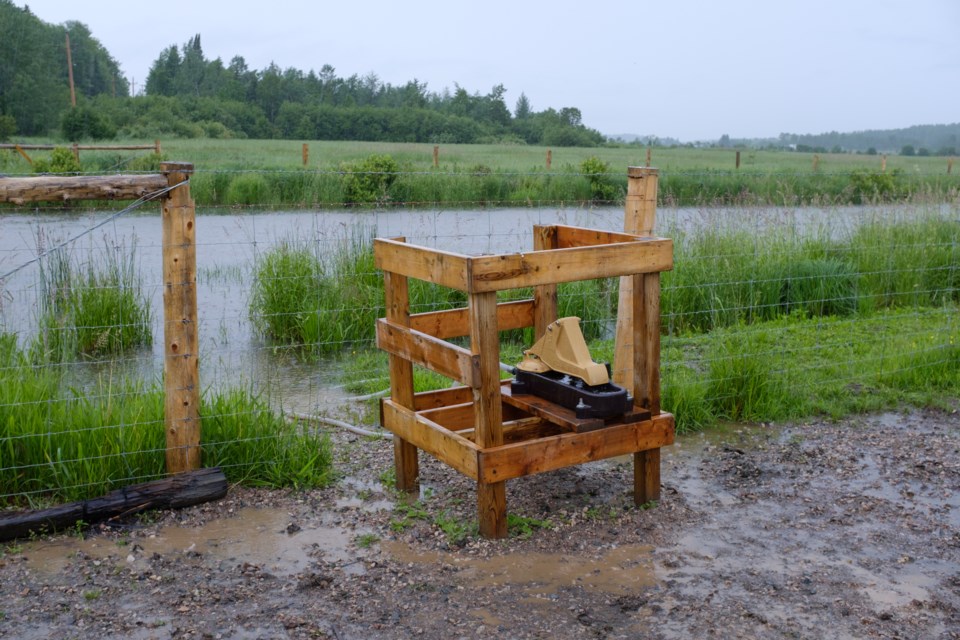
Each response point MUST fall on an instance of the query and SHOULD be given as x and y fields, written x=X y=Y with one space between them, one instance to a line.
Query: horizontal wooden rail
x=441 y=267
x=419 y=348
x=80 y=147
x=513 y=271
x=455 y=450
x=67 y=188
x=453 y=323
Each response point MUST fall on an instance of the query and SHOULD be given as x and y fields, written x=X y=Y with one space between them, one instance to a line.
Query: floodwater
x=229 y=243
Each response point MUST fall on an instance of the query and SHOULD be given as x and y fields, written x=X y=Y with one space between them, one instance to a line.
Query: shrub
x=61 y=160
x=8 y=127
x=85 y=122
x=369 y=180
x=596 y=171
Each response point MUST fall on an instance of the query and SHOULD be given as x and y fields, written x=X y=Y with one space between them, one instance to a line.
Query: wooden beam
x=544 y=295
x=405 y=457
x=547 y=454
x=442 y=357
x=66 y=188
x=640 y=216
x=488 y=412
x=446 y=446
x=568 y=237
x=453 y=323
x=646 y=476
x=512 y=271
x=646 y=341
x=432 y=265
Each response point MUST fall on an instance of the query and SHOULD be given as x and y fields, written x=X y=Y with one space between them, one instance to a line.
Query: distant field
x=271 y=172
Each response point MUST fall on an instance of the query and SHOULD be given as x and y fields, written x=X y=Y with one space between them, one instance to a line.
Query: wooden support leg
x=492 y=509
x=646 y=476
x=407 y=466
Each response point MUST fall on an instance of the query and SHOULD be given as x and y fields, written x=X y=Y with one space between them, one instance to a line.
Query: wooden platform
x=481 y=429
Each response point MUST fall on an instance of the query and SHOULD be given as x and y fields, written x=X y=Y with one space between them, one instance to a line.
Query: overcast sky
x=693 y=69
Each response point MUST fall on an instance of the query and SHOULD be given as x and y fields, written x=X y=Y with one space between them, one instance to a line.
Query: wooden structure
x=77 y=148
x=181 y=343
x=480 y=428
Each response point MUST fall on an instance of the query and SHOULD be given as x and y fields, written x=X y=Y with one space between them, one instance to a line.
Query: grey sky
x=691 y=70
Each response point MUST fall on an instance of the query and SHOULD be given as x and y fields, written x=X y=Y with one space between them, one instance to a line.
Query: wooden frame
x=479 y=429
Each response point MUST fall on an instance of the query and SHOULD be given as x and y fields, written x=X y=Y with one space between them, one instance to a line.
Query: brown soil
x=821 y=530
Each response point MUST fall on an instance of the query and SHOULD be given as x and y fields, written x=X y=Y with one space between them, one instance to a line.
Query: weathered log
x=173 y=492
x=66 y=188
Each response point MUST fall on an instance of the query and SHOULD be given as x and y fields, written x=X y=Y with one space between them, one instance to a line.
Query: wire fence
x=770 y=313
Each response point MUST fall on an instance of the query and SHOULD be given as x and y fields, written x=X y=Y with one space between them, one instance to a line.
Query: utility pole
x=73 y=91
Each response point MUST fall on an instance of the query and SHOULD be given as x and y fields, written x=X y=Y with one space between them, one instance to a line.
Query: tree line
x=188 y=95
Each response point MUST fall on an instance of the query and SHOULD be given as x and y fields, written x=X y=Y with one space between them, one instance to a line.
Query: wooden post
x=738 y=159
x=649 y=151
x=544 y=296
x=76 y=152
x=883 y=163
x=306 y=153
x=436 y=156
x=181 y=344
x=488 y=412
x=156 y=147
x=23 y=153
x=816 y=161
x=549 y=159
x=949 y=165
x=73 y=91
x=640 y=213
x=405 y=460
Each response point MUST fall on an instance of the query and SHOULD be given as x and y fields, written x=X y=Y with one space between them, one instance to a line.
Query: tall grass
x=58 y=443
x=93 y=309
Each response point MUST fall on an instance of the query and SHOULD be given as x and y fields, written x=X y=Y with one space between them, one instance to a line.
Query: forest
x=187 y=95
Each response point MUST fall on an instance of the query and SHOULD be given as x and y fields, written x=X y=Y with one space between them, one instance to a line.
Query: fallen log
x=173 y=492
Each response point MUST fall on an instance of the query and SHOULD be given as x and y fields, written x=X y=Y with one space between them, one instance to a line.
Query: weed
x=455 y=529
x=523 y=527
x=367 y=540
x=93 y=594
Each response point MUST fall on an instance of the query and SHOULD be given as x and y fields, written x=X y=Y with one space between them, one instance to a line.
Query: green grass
x=270 y=173
x=61 y=444
x=94 y=309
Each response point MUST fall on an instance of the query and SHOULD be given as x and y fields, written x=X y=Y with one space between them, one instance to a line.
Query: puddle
x=253 y=535
x=616 y=572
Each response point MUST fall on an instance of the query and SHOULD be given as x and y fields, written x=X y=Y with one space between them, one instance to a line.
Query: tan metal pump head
x=562 y=348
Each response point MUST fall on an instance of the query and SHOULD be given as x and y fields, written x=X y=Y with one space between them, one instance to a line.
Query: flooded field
x=229 y=243
x=844 y=529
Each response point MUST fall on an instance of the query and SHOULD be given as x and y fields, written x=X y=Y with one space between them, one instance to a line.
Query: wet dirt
x=846 y=529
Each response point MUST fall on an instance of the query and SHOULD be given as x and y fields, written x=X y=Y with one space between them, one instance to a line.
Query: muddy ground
x=820 y=530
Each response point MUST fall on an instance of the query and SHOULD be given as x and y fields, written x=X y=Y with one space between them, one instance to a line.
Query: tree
x=908 y=150
x=522 y=110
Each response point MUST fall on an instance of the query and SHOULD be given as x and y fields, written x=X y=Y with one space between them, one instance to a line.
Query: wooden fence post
x=306 y=153
x=816 y=161
x=738 y=159
x=640 y=214
x=949 y=166
x=649 y=152
x=549 y=159
x=883 y=163
x=181 y=344
x=156 y=147
x=76 y=152
x=436 y=156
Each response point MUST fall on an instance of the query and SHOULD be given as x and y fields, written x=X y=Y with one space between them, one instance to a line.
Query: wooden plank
x=442 y=357
x=568 y=237
x=431 y=265
x=453 y=323
x=181 y=370
x=511 y=271
x=442 y=398
x=565 y=418
x=547 y=454
x=67 y=188
x=446 y=446
x=521 y=429
x=405 y=457
x=455 y=417
x=84 y=147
